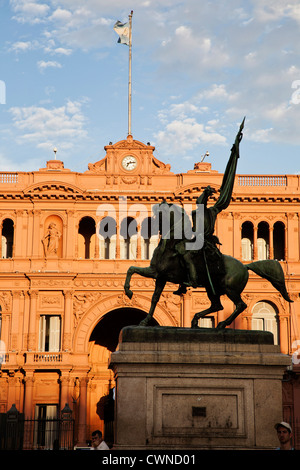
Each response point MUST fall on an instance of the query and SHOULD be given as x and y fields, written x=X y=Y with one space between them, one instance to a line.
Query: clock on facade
x=129 y=163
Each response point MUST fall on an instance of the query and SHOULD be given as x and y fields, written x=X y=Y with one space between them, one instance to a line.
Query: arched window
x=263 y=241
x=107 y=238
x=279 y=241
x=7 y=238
x=86 y=238
x=145 y=237
x=128 y=238
x=247 y=241
x=265 y=318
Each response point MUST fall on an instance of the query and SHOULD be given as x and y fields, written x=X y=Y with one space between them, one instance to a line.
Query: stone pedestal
x=182 y=388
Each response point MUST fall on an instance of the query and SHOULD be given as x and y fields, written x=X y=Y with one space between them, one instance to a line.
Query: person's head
x=284 y=434
x=96 y=438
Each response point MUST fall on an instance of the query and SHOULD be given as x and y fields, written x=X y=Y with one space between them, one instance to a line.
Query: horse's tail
x=271 y=270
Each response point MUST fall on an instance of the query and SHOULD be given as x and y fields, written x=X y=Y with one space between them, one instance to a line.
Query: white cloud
x=180 y=136
x=62 y=126
x=29 y=11
x=43 y=64
x=62 y=50
x=21 y=46
x=217 y=92
x=61 y=14
x=241 y=57
x=273 y=10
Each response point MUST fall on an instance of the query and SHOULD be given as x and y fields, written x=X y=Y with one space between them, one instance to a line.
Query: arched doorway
x=106 y=332
x=104 y=340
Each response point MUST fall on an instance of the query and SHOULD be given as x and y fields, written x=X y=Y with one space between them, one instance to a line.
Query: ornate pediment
x=195 y=189
x=44 y=188
x=128 y=159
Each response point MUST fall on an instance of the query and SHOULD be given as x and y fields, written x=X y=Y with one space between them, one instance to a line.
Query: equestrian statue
x=196 y=260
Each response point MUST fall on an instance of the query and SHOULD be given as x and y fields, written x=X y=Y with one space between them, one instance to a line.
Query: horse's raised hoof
x=181 y=290
x=129 y=293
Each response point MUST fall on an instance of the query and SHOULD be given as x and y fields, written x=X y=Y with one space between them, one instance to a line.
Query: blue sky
x=198 y=67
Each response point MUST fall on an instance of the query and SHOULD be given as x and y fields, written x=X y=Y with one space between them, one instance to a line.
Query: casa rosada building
x=61 y=280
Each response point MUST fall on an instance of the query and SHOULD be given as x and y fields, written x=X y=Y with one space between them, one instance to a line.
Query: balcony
x=47 y=357
x=47 y=360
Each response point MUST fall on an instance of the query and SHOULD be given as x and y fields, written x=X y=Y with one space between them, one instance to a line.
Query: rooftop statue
x=196 y=260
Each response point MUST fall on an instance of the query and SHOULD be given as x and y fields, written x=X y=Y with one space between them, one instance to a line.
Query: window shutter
x=112 y=247
x=261 y=249
x=54 y=334
x=42 y=333
x=246 y=249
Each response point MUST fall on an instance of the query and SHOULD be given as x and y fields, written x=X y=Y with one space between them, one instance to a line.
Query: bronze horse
x=166 y=266
x=227 y=276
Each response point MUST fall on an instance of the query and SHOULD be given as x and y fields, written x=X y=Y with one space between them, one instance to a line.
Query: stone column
x=70 y=234
x=255 y=251
x=82 y=437
x=67 y=320
x=14 y=384
x=236 y=235
x=186 y=310
x=29 y=383
x=32 y=320
x=36 y=239
x=284 y=336
x=18 y=235
x=271 y=243
x=26 y=319
x=29 y=222
x=139 y=244
x=14 y=331
x=64 y=389
x=5 y=330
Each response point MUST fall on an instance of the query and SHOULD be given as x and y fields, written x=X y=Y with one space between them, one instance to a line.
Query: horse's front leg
x=145 y=272
x=159 y=287
x=214 y=307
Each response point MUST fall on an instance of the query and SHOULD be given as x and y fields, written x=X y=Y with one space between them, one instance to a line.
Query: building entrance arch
x=103 y=340
x=106 y=332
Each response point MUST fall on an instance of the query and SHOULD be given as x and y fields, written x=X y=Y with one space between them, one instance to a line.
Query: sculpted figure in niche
x=50 y=240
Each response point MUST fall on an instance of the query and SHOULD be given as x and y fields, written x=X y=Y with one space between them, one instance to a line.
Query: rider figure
x=213 y=257
x=211 y=241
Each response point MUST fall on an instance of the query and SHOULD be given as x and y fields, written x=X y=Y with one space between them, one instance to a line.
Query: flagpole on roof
x=124 y=30
x=129 y=77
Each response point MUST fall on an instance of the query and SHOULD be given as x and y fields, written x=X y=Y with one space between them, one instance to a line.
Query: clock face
x=129 y=163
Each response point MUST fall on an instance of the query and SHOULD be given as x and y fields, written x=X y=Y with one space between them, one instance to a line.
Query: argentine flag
x=122 y=29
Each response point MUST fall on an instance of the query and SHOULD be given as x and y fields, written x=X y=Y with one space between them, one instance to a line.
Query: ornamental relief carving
x=5 y=301
x=51 y=283
x=82 y=302
x=172 y=305
x=112 y=283
x=200 y=301
x=51 y=300
x=129 y=180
